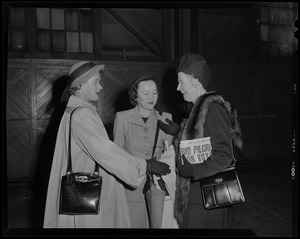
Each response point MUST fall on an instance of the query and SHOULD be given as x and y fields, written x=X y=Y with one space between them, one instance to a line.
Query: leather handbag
x=79 y=192
x=222 y=189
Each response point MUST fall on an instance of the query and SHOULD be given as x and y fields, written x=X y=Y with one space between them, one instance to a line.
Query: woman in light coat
x=91 y=145
x=134 y=131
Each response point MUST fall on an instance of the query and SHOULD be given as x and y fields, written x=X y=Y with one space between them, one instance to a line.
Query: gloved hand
x=157 y=167
x=170 y=128
x=186 y=169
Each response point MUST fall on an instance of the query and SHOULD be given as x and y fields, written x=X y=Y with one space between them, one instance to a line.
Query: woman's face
x=187 y=87
x=147 y=94
x=90 y=90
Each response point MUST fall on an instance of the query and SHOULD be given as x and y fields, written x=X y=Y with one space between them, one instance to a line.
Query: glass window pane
x=44 y=40
x=275 y=33
x=58 y=19
x=264 y=32
x=139 y=20
x=18 y=39
x=8 y=38
x=43 y=18
x=283 y=16
x=113 y=31
x=274 y=50
x=71 y=20
x=273 y=14
x=72 y=42
x=290 y=17
x=58 y=41
x=86 y=42
x=264 y=18
x=86 y=23
x=17 y=17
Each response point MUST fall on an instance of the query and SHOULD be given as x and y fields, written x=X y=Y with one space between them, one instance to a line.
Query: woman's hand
x=170 y=128
x=157 y=167
x=185 y=169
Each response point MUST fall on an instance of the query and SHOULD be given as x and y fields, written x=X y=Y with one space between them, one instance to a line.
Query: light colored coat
x=90 y=144
x=137 y=138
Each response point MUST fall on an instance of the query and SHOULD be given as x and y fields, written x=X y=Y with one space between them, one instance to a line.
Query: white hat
x=82 y=71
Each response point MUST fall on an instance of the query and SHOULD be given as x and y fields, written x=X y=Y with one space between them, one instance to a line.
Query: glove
x=157 y=167
x=170 y=128
x=186 y=169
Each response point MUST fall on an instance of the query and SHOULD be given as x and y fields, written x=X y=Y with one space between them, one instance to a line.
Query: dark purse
x=222 y=189
x=79 y=192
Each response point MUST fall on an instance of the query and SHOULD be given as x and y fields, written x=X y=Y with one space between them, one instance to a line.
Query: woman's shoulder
x=83 y=113
x=125 y=113
x=216 y=107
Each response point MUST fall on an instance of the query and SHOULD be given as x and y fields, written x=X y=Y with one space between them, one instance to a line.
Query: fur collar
x=193 y=128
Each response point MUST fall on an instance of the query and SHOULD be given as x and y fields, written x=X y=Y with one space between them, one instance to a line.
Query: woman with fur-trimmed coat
x=212 y=117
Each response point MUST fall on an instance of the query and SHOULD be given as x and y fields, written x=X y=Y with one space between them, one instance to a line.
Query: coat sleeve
x=169 y=137
x=88 y=136
x=219 y=131
x=118 y=132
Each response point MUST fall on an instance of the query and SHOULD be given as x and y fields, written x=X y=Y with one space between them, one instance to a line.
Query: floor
x=267 y=211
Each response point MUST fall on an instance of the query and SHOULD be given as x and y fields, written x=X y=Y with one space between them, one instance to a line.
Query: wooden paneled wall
x=262 y=96
x=33 y=108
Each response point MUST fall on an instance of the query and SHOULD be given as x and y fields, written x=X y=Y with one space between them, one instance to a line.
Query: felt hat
x=132 y=92
x=194 y=64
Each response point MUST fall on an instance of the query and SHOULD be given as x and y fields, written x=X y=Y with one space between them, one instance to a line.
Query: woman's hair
x=72 y=90
x=133 y=90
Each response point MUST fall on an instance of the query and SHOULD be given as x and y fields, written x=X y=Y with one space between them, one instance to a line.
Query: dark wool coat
x=211 y=116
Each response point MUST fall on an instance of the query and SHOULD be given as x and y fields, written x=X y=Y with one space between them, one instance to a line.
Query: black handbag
x=222 y=189
x=79 y=192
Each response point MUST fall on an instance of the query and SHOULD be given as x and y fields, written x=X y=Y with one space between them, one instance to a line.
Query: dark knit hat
x=194 y=64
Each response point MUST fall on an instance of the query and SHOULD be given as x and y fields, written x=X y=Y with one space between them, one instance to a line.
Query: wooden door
x=33 y=109
x=19 y=121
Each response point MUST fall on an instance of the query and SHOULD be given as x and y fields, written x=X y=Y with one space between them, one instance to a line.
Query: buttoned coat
x=137 y=138
x=90 y=145
x=211 y=116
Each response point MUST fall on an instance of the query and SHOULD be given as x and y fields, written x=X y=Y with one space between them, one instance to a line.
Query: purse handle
x=69 y=165
x=154 y=147
x=155 y=139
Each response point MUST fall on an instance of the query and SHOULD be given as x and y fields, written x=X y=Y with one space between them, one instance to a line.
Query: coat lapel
x=135 y=118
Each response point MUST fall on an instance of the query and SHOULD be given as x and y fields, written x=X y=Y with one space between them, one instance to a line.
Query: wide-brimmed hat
x=82 y=71
x=196 y=65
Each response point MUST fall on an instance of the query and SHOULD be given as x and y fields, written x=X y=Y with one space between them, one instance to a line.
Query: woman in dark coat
x=211 y=116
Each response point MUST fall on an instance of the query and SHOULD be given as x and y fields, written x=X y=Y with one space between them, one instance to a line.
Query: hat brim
x=88 y=75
